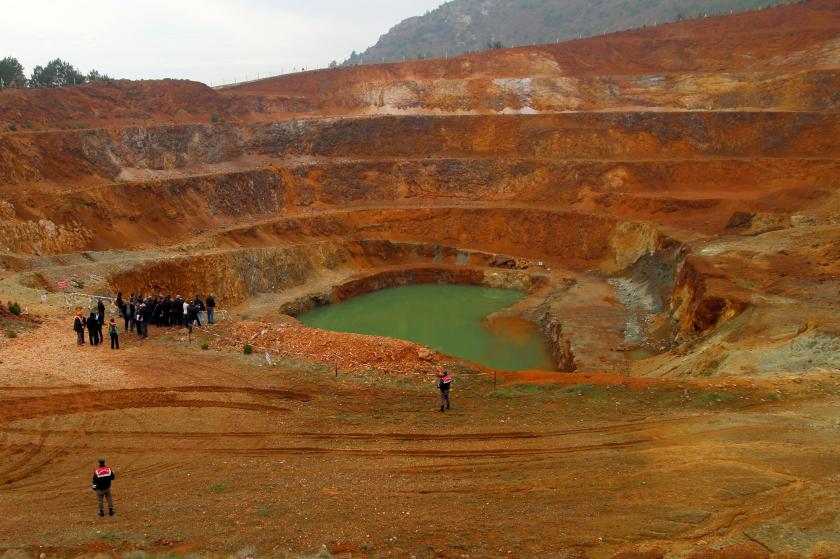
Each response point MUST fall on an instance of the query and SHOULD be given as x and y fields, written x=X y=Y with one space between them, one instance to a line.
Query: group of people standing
x=137 y=311
x=93 y=324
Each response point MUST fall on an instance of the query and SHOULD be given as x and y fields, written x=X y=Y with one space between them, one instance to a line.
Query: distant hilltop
x=462 y=26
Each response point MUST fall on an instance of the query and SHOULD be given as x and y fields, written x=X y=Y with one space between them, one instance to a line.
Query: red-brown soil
x=668 y=198
x=215 y=452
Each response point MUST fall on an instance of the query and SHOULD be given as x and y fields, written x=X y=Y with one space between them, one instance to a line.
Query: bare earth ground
x=217 y=452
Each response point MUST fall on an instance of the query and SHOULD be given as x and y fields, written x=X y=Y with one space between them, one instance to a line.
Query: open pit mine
x=666 y=201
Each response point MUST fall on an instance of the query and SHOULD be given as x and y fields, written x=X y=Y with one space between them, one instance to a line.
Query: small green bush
x=248 y=349
x=215 y=119
x=14 y=308
x=205 y=346
x=11 y=334
x=13 y=127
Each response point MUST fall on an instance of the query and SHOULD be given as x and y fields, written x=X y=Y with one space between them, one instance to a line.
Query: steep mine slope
x=686 y=178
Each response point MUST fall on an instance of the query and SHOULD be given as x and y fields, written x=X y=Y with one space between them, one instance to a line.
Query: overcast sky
x=213 y=41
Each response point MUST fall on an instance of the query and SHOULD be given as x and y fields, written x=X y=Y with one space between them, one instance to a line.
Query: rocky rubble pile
x=353 y=352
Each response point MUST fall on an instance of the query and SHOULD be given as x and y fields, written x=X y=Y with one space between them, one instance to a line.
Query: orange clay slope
x=684 y=178
x=762 y=59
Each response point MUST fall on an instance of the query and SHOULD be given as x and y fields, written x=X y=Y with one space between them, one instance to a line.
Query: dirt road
x=215 y=452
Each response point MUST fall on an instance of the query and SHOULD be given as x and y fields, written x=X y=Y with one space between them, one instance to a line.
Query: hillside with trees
x=56 y=73
x=463 y=26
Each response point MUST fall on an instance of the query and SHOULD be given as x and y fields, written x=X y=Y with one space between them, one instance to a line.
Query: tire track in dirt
x=372 y=452
x=105 y=400
x=363 y=436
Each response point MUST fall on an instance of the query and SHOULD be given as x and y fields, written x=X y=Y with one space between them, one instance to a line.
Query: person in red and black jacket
x=102 y=478
x=444 y=384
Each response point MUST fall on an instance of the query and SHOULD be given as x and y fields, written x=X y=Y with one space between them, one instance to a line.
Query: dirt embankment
x=716 y=44
x=112 y=103
x=603 y=189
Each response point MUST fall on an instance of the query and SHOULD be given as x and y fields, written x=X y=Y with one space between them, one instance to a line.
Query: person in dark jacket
x=132 y=310
x=167 y=311
x=100 y=319
x=199 y=308
x=114 y=334
x=138 y=314
x=192 y=316
x=93 y=327
x=147 y=316
x=211 y=309
x=125 y=314
x=102 y=478
x=79 y=326
x=444 y=384
x=157 y=312
x=177 y=311
x=141 y=317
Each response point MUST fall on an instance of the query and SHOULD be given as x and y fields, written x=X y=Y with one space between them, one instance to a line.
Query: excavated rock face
x=678 y=187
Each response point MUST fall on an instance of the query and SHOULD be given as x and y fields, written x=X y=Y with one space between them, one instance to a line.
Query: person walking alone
x=114 y=333
x=444 y=384
x=102 y=478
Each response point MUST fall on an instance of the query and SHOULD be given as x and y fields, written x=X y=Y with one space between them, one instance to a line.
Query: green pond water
x=447 y=318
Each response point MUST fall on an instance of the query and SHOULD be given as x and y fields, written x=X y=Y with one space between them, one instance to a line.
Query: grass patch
x=11 y=334
x=219 y=488
x=503 y=392
x=263 y=511
x=587 y=390
x=248 y=349
x=712 y=398
x=205 y=346
x=109 y=537
x=348 y=417
x=520 y=389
